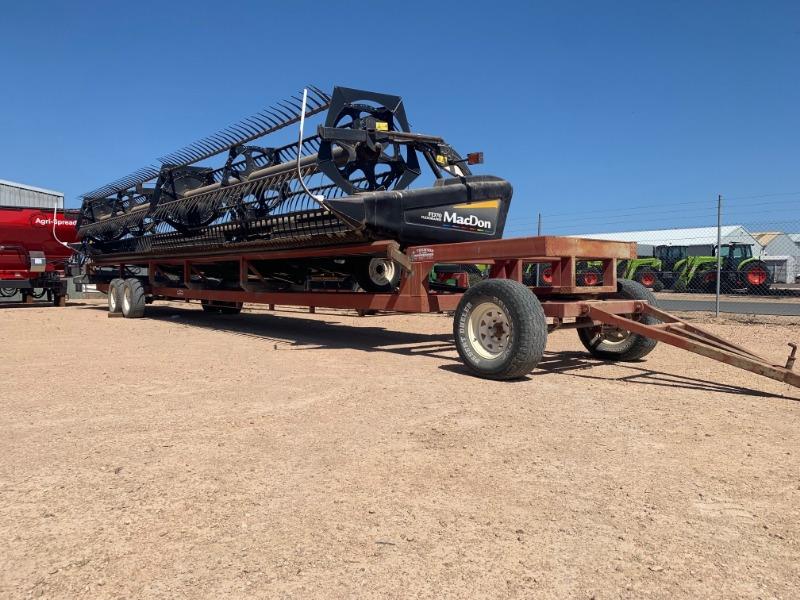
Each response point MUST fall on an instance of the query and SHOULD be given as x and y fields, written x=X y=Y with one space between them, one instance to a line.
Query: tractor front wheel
x=756 y=278
x=590 y=277
x=705 y=281
x=647 y=277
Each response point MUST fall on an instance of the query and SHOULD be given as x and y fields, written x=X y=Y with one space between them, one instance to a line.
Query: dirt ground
x=329 y=456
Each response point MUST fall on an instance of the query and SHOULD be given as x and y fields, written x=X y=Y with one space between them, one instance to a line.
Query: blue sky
x=593 y=110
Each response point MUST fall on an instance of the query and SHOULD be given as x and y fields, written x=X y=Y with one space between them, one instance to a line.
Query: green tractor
x=445 y=276
x=740 y=271
x=666 y=264
x=587 y=273
x=645 y=270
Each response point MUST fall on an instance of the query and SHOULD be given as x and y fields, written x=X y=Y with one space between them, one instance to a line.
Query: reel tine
x=123 y=183
x=262 y=121
x=277 y=115
x=269 y=117
x=234 y=134
x=292 y=109
x=286 y=117
x=295 y=103
x=311 y=101
x=216 y=142
x=180 y=156
x=253 y=122
x=207 y=146
x=324 y=98
x=244 y=129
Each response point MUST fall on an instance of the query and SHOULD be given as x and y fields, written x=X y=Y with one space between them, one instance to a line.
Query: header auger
x=346 y=183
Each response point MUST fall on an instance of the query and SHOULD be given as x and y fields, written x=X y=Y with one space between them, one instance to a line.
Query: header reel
x=364 y=145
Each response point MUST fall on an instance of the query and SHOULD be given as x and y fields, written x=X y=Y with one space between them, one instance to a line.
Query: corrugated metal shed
x=20 y=195
x=692 y=236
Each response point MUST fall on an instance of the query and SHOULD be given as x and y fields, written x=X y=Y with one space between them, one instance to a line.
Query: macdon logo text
x=455 y=218
x=470 y=221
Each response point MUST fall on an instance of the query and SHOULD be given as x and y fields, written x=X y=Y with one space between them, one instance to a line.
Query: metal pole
x=538 y=266
x=719 y=252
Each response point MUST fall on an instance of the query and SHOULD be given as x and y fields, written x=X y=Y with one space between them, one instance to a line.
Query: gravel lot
x=325 y=456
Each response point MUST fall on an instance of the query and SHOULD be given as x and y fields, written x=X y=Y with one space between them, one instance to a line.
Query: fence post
x=538 y=232
x=719 y=253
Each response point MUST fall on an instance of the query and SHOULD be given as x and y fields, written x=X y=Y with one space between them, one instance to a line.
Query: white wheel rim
x=126 y=299
x=489 y=330
x=612 y=335
x=381 y=271
x=112 y=299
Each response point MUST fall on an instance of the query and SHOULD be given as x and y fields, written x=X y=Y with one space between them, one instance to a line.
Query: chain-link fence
x=737 y=254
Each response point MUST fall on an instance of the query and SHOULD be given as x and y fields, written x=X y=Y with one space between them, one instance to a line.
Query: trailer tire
x=377 y=275
x=630 y=346
x=500 y=329
x=133 y=299
x=115 y=295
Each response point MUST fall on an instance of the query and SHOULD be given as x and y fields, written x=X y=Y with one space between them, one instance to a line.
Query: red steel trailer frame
x=595 y=306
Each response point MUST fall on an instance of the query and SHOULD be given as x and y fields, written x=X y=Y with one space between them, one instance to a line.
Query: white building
x=781 y=254
x=27 y=196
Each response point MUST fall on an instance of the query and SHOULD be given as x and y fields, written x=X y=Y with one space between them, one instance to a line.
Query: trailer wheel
x=115 y=295
x=610 y=343
x=133 y=299
x=500 y=329
x=377 y=275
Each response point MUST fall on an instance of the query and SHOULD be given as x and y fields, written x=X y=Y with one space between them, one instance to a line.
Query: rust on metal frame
x=542 y=248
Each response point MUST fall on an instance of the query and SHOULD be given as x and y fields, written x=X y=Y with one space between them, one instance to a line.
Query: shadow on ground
x=288 y=327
